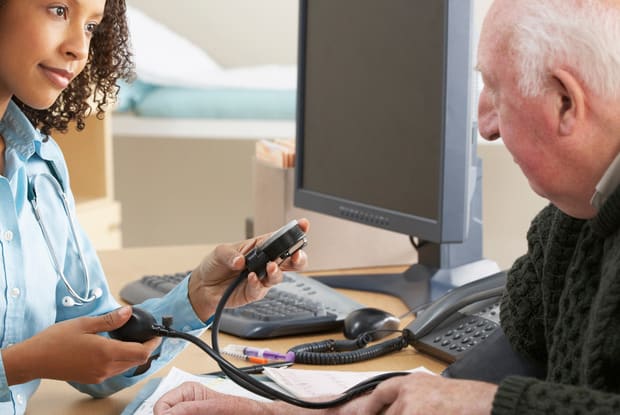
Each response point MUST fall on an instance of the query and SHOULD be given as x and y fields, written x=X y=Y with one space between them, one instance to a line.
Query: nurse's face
x=44 y=45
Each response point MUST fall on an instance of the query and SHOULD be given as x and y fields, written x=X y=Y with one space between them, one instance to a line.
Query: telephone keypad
x=457 y=337
x=464 y=336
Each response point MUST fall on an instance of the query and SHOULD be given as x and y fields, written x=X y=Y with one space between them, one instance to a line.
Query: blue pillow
x=216 y=102
x=130 y=94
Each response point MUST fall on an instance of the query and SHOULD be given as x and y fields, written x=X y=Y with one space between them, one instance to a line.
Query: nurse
x=56 y=57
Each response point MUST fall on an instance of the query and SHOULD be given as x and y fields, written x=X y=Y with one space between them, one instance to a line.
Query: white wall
x=246 y=32
x=233 y=32
x=241 y=32
x=480 y=9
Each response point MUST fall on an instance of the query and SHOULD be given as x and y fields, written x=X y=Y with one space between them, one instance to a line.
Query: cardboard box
x=333 y=243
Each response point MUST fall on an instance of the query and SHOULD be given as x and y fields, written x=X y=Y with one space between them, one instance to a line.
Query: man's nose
x=487 y=117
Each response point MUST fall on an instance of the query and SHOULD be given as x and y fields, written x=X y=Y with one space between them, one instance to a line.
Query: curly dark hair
x=109 y=59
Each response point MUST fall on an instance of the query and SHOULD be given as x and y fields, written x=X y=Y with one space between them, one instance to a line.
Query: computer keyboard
x=297 y=305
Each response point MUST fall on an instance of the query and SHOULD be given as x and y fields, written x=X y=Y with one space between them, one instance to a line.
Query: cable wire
x=247 y=381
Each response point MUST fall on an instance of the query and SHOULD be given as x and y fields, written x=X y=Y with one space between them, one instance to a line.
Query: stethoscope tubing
x=32 y=197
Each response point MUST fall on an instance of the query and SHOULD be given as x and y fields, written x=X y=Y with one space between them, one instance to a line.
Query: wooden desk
x=121 y=266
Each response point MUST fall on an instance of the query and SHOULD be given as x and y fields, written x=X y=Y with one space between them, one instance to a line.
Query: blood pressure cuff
x=493 y=360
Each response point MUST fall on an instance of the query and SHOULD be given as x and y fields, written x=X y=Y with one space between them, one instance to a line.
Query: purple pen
x=262 y=352
x=268 y=354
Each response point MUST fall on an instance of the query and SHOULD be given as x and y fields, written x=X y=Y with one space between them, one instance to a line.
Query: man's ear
x=569 y=101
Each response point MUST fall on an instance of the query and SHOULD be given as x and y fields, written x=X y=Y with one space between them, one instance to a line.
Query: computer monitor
x=386 y=133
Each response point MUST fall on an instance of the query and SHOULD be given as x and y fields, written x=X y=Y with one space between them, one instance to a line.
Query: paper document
x=177 y=376
x=277 y=153
x=316 y=383
x=299 y=382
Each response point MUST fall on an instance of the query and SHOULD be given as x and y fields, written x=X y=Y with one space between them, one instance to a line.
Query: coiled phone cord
x=338 y=352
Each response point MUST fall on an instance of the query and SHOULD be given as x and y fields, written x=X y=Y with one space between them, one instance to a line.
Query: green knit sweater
x=562 y=308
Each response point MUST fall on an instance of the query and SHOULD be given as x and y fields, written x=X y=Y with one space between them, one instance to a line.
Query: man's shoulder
x=553 y=224
x=542 y=222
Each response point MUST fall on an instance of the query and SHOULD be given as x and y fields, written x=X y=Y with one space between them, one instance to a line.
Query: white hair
x=581 y=35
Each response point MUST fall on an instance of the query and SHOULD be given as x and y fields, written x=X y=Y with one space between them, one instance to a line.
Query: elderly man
x=551 y=70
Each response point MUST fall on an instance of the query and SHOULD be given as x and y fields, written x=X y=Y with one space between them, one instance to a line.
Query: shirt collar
x=20 y=136
x=608 y=183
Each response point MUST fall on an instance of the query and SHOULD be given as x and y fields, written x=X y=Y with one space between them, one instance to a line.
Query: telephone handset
x=459 y=320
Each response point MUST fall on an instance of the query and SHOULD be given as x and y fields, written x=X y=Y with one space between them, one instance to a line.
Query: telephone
x=460 y=320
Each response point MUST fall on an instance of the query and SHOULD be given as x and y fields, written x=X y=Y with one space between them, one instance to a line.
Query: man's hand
x=191 y=398
x=216 y=272
x=413 y=394
x=73 y=351
x=424 y=394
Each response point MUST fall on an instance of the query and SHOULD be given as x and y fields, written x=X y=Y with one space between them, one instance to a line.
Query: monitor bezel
x=457 y=142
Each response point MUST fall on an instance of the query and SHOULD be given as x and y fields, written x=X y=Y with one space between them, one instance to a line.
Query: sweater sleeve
x=522 y=310
x=519 y=395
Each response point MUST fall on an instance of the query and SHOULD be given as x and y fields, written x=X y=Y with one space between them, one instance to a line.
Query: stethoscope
x=54 y=179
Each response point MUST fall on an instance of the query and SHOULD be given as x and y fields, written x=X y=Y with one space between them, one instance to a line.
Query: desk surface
x=121 y=266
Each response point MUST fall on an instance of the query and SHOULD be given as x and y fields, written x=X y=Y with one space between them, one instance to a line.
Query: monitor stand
x=418 y=285
x=440 y=267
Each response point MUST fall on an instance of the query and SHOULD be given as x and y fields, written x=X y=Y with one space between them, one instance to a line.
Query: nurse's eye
x=91 y=28
x=59 y=11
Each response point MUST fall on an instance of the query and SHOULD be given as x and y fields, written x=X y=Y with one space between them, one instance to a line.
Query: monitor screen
x=384 y=114
x=385 y=131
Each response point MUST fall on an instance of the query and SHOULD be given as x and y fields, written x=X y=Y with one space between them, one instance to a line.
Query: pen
x=252 y=370
x=255 y=359
x=252 y=359
x=269 y=354
x=266 y=353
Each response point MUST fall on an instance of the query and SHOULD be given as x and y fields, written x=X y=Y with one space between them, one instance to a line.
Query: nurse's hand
x=218 y=269
x=74 y=351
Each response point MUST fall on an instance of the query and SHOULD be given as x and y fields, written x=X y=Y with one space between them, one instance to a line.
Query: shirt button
x=8 y=236
x=19 y=399
x=15 y=292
